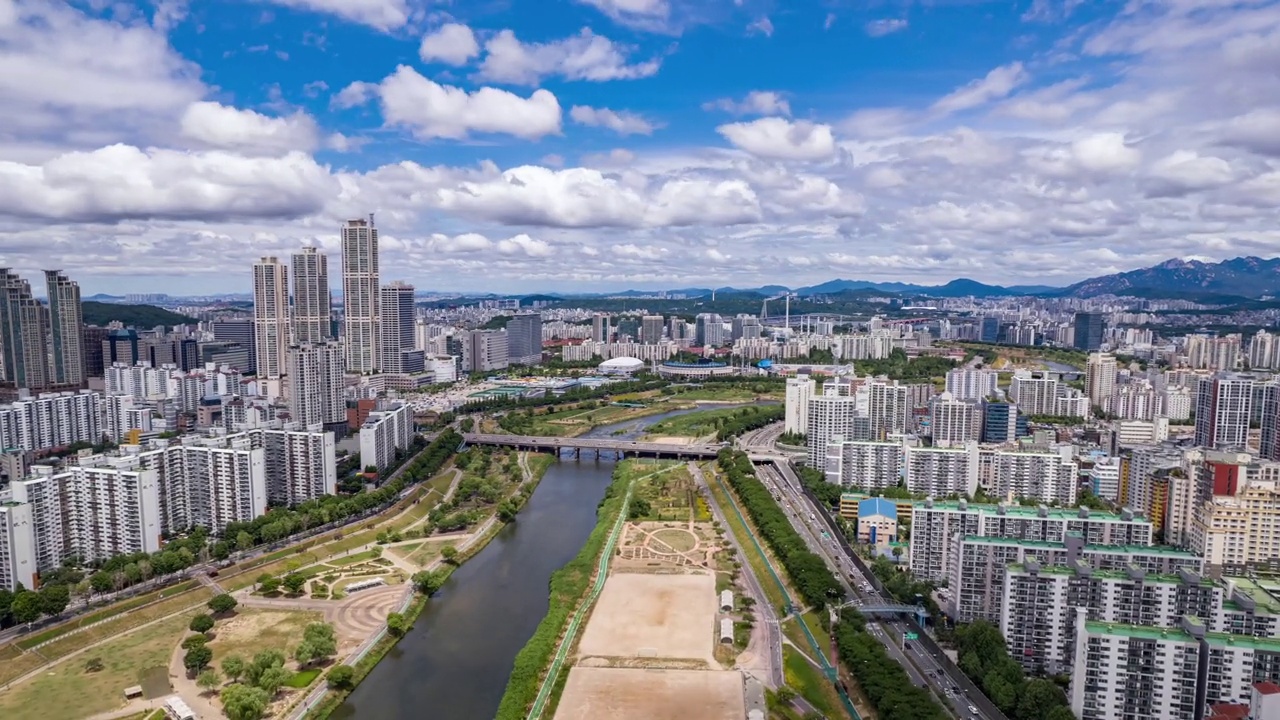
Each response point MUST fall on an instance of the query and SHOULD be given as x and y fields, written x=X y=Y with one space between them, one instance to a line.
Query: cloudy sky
x=556 y=145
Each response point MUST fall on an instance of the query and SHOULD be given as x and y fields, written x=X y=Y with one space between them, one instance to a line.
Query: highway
x=924 y=666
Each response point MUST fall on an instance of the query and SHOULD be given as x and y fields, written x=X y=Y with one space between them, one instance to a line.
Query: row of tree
x=985 y=659
x=809 y=574
x=748 y=419
x=885 y=683
x=570 y=396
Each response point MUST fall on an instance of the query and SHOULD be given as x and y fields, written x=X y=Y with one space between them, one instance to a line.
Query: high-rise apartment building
x=24 y=328
x=484 y=350
x=745 y=326
x=524 y=339
x=1100 y=380
x=971 y=384
x=600 y=328
x=953 y=422
x=360 y=295
x=396 y=329
x=17 y=547
x=271 y=320
x=1036 y=393
x=236 y=332
x=796 y=406
x=833 y=414
x=51 y=420
x=66 y=330
x=651 y=327
x=1269 y=447
x=386 y=432
x=1089 y=328
x=311 y=306
x=1224 y=405
x=888 y=409
x=709 y=330
x=316 y=384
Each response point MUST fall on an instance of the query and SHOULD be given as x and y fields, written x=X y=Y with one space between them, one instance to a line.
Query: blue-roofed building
x=877 y=521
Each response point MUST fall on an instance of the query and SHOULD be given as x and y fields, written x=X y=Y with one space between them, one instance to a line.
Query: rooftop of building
x=1146 y=632
x=1265 y=598
x=1163 y=550
x=1205 y=580
x=1027 y=511
x=877 y=506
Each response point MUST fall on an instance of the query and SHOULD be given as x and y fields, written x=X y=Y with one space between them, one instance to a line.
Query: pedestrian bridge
x=607 y=447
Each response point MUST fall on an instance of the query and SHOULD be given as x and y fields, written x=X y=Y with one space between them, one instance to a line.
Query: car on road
x=973 y=709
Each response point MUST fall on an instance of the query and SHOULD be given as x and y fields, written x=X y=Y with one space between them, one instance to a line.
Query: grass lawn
x=303 y=678
x=405 y=550
x=253 y=630
x=357 y=558
x=700 y=424
x=719 y=493
x=811 y=684
x=429 y=551
x=734 y=394
x=123 y=623
x=80 y=694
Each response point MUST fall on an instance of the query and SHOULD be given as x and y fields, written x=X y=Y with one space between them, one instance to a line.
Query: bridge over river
x=598 y=446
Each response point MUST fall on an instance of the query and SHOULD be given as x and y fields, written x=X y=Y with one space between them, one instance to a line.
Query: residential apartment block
x=385 y=432
x=51 y=420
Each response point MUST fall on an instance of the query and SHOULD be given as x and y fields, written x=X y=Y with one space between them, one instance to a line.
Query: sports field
x=658 y=616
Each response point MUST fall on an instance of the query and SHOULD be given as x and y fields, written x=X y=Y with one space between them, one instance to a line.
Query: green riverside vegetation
x=723 y=422
x=568 y=584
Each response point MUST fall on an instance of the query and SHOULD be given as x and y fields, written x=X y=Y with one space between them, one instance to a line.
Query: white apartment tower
x=271 y=320
x=799 y=392
x=953 y=422
x=396 y=326
x=970 y=384
x=310 y=296
x=360 y=295
x=1223 y=408
x=1100 y=380
x=17 y=547
x=1035 y=393
x=316 y=384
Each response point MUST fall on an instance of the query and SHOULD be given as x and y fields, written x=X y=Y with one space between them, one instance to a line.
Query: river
x=454 y=663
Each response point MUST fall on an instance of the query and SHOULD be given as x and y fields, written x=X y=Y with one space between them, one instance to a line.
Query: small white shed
x=726 y=601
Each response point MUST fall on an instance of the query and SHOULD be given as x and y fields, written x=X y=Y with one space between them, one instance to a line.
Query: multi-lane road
x=923 y=667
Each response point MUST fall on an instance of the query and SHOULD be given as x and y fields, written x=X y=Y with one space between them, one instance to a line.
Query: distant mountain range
x=1240 y=278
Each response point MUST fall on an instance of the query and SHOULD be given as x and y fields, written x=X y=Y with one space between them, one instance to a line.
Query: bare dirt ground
x=629 y=694
x=658 y=616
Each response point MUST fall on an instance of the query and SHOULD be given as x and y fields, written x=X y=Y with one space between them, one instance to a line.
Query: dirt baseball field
x=659 y=616
x=629 y=694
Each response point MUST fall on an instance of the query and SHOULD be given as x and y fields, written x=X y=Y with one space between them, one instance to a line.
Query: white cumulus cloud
x=219 y=126
x=379 y=14
x=995 y=85
x=757 y=102
x=619 y=121
x=585 y=56
x=886 y=26
x=781 y=139
x=451 y=43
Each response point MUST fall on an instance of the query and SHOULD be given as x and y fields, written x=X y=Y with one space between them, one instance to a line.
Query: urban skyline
x=691 y=142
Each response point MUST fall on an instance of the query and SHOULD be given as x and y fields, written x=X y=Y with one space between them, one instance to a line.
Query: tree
x=269 y=585
x=54 y=599
x=234 y=666
x=1039 y=697
x=244 y=702
x=429 y=582
x=785 y=695
x=209 y=679
x=244 y=541
x=1062 y=712
x=397 y=625
x=26 y=607
x=201 y=623
x=197 y=658
x=100 y=581
x=273 y=678
x=222 y=604
x=262 y=662
x=449 y=554
x=341 y=677
x=321 y=637
x=294 y=582
x=192 y=641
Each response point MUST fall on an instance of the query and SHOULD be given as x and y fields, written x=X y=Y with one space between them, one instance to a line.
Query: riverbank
x=532 y=469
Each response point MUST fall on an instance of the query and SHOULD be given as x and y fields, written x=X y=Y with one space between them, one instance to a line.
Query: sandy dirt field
x=660 y=616
x=628 y=694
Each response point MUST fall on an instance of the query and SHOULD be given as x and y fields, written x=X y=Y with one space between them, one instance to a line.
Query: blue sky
x=558 y=145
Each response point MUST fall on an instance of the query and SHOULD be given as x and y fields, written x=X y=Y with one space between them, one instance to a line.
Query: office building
x=233 y=332
x=311 y=302
x=66 y=331
x=316 y=384
x=709 y=330
x=524 y=339
x=953 y=422
x=484 y=350
x=937 y=526
x=1134 y=671
x=1224 y=405
x=651 y=329
x=360 y=296
x=271 y=321
x=1089 y=329
x=677 y=329
x=386 y=433
x=796 y=405
x=51 y=420
x=1002 y=422
x=396 y=329
x=91 y=345
x=17 y=547
x=1100 y=380
x=24 y=329
x=989 y=330
x=600 y=328
x=970 y=384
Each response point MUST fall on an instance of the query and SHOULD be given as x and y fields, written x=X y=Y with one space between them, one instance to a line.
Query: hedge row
x=568 y=585
x=809 y=574
x=884 y=681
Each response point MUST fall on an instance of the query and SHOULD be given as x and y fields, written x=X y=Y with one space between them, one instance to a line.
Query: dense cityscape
x=639 y=360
